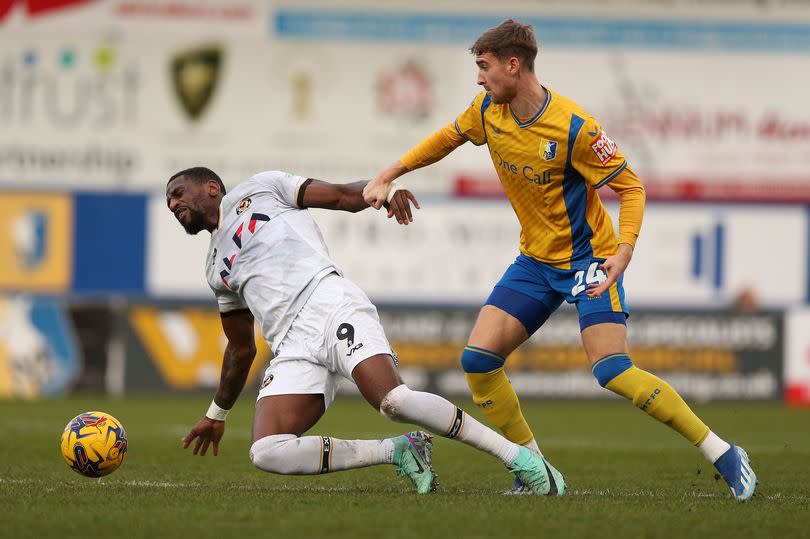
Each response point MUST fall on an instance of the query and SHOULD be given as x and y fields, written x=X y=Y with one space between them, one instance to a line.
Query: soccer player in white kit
x=267 y=260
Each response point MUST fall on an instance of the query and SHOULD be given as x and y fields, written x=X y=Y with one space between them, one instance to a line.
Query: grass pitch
x=627 y=477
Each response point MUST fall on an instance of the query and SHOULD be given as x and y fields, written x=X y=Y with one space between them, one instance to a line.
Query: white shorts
x=337 y=328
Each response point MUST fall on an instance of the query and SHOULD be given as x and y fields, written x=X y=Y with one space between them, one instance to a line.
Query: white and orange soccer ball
x=94 y=444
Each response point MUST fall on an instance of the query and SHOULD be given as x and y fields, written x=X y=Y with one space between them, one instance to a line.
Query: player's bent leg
x=445 y=419
x=495 y=335
x=606 y=346
x=442 y=417
x=277 y=447
x=376 y=377
x=287 y=414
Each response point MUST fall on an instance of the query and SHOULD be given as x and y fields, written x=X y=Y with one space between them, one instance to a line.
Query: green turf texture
x=627 y=477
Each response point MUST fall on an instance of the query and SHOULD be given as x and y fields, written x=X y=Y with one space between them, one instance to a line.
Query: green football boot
x=534 y=473
x=412 y=458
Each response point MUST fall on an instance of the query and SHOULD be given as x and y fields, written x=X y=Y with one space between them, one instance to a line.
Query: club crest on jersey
x=266 y=382
x=604 y=148
x=243 y=205
x=548 y=149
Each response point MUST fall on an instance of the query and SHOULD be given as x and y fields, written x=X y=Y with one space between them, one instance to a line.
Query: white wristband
x=216 y=413
x=395 y=186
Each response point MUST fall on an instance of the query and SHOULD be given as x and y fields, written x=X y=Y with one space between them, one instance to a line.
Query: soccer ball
x=94 y=444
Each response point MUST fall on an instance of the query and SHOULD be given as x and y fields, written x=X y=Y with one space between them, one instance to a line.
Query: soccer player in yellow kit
x=551 y=157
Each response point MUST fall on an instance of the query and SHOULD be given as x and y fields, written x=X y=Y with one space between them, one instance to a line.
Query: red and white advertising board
x=797 y=357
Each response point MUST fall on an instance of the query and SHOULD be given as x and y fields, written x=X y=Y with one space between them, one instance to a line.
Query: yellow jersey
x=550 y=166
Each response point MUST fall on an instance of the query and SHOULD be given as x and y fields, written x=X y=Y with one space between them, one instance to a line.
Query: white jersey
x=267 y=255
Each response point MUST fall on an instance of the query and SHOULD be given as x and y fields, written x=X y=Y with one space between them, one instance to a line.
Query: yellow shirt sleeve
x=433 y=148
x=631 y=204
x=597 y=158
x=468 y=126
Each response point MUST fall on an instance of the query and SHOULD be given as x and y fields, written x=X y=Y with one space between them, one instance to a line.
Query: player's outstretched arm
x=236 y=362
x=432 y=149
x=376 y=191
x=349 y=197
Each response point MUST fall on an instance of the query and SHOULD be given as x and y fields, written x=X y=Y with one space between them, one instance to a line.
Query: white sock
x=387 y=447
x=713 y=447
x=532 y=446
x=289 y=455
x=445 y=419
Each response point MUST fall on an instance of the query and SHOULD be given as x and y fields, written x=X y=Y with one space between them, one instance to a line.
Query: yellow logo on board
x=36 y=242
x=187 y=345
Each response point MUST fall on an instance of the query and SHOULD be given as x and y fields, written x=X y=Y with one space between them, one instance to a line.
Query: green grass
x=627 y=476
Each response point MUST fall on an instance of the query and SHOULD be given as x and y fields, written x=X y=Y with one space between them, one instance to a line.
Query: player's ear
x=213 y=188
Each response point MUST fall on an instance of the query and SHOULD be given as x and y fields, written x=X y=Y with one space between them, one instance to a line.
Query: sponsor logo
x=542 y=177
x=243 y=205
x=302 y=95
x=195 y=76
x=36 y=243
x=604 y=148
x=37 y=349
x=37 y=8
x=30 y=238
x=266 y=381
x=186 y=11
x=186 y=345
x=405 y=92
x=650 y=399
x=68 y=88
x=548 y=149
x=354 y=349
x=214 y=257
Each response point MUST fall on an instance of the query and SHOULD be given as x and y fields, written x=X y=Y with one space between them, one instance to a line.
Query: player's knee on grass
x=276 y=454
x=392 y=405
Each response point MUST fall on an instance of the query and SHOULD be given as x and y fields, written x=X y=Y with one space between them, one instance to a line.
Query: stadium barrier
x=105 y=291
x=160 y=347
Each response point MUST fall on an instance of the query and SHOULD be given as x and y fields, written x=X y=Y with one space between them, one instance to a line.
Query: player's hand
x=376 y=191
x=400 y=206
x=613 y=266
x=207 y=431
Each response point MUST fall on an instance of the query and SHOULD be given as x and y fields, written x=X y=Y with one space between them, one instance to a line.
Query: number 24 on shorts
x=593 y=276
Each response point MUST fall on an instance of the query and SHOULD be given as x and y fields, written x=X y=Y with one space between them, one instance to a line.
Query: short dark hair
x=200 y=175
x=508 y=39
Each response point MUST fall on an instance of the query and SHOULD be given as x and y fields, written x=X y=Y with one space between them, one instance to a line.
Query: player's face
x=184 y=199
x=496 y=77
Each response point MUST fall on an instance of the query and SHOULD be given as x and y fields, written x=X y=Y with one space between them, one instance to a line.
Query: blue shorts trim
x=593 y=319
x=531 y=312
